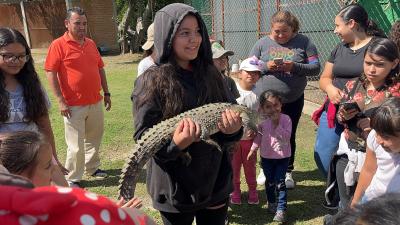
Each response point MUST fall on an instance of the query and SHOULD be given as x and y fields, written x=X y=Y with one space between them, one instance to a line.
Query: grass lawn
x=304 y=201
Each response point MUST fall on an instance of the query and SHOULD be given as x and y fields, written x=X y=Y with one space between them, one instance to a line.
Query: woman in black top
x=185 y=78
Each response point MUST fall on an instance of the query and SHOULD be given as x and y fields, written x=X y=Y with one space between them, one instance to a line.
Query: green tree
x=138 y=14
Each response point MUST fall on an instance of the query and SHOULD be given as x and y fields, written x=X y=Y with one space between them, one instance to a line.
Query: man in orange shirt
x=75 y=72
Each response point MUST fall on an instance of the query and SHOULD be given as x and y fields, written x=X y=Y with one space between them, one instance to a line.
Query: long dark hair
x=28 y=78
x=385 y=120
x=387 y=49
x=360 y=16
x=166 y=80
x=19 y=151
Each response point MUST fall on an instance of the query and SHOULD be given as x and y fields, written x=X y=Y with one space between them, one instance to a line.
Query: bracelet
x=107 y=94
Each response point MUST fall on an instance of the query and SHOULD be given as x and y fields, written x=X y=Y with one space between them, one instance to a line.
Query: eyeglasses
x=12 y=58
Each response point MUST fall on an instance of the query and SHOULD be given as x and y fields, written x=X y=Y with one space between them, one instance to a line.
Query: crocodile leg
x=212 y=143
x=186 y=158
x=246 y=121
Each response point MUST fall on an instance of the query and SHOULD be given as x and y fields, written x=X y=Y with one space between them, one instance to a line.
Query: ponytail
x=358 y=13
x=372 y=29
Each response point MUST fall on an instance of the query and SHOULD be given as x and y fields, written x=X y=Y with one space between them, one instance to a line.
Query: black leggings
x=203 y=216
x=293 y=110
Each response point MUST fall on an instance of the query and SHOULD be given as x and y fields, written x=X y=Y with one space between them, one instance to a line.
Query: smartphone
x=350 y=105
x=278 y=61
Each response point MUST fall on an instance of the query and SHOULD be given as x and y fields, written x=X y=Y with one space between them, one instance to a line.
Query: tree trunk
x=138 y=37
x=124 y=26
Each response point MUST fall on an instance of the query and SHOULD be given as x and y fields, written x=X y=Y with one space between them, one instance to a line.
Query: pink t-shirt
x=275 y=142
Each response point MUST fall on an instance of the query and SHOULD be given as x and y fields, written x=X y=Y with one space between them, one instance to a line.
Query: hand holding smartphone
x=278 y=61
x=350 y=105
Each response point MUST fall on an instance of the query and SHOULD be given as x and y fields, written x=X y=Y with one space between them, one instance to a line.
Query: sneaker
x=280 y=216
x=261 y=178
x=99 y=174
x=75 y=184
x=253 y=197
x=236 y=197
x=272 y=207
x=289 y=180
x=334 y=203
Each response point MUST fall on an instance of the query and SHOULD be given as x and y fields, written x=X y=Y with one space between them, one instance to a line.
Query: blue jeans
x=326 y=143
x=275 y=171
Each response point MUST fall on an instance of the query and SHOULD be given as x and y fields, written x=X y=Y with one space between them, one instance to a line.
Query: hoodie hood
x=166 y=23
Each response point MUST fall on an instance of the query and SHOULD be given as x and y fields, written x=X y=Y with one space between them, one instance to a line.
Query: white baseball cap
x=251 y=64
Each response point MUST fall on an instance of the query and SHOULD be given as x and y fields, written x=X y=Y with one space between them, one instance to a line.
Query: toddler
x=275 y=151
x=249 y=74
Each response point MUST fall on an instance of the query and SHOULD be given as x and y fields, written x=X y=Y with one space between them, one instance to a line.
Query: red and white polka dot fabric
x=58 y=205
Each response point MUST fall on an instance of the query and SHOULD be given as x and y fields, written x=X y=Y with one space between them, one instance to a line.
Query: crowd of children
x=184 y=73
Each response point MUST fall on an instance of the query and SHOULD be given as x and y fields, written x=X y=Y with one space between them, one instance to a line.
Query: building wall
x=101 y=17
x=45 y=20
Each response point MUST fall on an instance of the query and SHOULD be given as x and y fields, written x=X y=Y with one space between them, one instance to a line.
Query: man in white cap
x=220 y=57
x=149 y=53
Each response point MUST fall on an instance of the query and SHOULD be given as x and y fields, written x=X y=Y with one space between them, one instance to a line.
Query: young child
x=249 y=73
x=220 y=58
x=185 y=78
x=29 y=155
x=379 y=174
x=24 y=101
x=274 y=151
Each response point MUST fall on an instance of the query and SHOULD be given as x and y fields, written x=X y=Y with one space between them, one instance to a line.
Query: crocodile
x=208 y=116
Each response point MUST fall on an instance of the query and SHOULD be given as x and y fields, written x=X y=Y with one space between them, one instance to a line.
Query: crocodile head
x=255 y=117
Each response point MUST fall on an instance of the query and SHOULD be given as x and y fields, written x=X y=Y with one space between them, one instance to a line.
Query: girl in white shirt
x=380 y=174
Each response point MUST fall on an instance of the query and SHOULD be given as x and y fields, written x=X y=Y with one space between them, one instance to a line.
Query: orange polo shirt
x=78 y=69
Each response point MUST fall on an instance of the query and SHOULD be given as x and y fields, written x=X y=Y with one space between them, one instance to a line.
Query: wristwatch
x=107 y=94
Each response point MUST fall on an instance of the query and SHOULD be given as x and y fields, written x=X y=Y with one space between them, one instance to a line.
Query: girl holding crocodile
x=185 y=78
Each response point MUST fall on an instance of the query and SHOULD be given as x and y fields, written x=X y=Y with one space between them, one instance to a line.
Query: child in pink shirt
x=275 y=151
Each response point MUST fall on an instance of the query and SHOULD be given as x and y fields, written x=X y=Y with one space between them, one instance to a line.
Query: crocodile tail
x=130 y=173
x=151 y=142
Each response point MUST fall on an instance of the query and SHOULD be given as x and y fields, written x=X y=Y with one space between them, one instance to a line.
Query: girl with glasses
x=24 y=102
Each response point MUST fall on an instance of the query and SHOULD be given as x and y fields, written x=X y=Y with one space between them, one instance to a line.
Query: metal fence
x=239 y=24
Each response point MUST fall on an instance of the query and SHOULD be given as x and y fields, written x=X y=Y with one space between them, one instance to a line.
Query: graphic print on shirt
x=286 y=53
x=16 y=112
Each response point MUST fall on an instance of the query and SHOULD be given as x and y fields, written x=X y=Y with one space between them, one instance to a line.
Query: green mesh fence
x=384 y=12
x=239 y=24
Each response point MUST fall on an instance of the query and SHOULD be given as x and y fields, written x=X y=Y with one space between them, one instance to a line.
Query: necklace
x=360 y=45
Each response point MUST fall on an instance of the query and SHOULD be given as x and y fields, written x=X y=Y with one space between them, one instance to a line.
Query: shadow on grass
x=112 y=179
x=313 y=175
x=135 y=61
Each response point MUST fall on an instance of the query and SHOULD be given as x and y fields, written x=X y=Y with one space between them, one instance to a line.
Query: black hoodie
x=208 y=179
